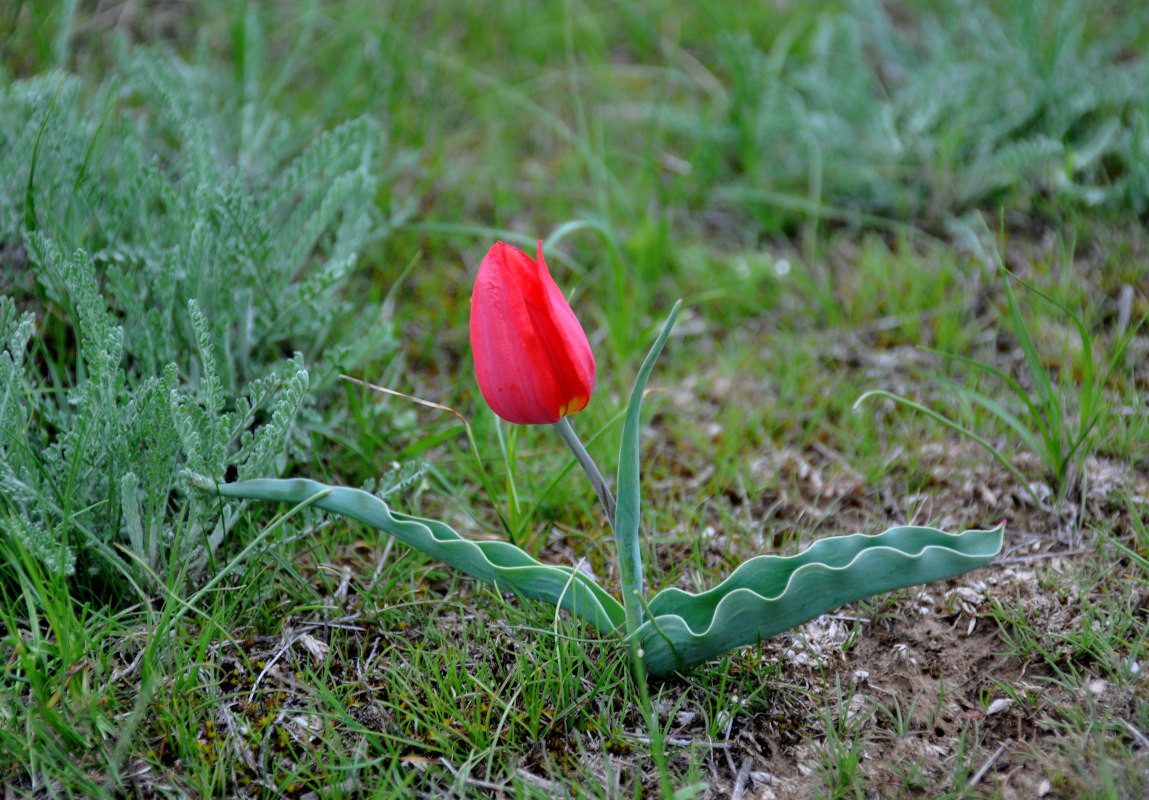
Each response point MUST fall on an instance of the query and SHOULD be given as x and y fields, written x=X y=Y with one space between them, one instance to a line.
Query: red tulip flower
x=532 y=358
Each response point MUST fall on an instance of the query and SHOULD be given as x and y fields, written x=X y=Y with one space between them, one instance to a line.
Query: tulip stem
x=589 y=467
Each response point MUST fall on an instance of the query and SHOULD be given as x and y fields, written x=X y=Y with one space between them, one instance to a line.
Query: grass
x=322 y=180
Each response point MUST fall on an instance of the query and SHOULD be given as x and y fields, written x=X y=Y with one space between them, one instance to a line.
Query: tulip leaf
x=770 y=594
x=628 y=509
x=495 y=562
x=762 y=597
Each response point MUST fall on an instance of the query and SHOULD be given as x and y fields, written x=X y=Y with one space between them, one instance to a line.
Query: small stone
x=316 y=647
x=998 y=705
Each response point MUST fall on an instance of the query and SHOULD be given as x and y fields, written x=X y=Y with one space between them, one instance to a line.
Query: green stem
x=588 y=466
x=629 y=563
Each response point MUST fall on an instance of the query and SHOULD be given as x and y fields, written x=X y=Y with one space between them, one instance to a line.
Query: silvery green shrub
x=173 y=256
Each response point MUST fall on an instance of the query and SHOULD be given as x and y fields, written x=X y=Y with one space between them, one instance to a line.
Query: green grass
x=234 y=203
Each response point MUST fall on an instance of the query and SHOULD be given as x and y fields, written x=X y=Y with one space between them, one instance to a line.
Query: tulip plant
x=534 y=366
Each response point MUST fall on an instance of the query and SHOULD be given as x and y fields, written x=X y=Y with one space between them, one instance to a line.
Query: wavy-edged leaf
x=499 y=563
x=770 y=594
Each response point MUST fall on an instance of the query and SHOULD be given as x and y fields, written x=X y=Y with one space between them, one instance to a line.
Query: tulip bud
x=532 y=358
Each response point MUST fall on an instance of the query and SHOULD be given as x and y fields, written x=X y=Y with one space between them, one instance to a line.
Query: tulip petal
x=533 y=361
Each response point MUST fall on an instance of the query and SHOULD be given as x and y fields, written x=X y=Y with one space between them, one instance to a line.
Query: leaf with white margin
x=770 y=594
x=499 y=563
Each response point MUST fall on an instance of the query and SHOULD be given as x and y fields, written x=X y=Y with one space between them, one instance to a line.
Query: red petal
x=532 y=359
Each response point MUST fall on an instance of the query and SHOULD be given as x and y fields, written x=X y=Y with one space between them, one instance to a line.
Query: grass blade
x=949 y=423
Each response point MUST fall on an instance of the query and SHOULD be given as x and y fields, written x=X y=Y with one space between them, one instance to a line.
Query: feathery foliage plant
x=169 y=279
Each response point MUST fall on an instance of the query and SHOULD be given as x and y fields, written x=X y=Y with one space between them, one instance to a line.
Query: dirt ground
x=916 y=694
x=925 y=684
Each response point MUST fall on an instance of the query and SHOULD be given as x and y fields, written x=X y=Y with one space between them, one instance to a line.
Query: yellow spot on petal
x=574 y=404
